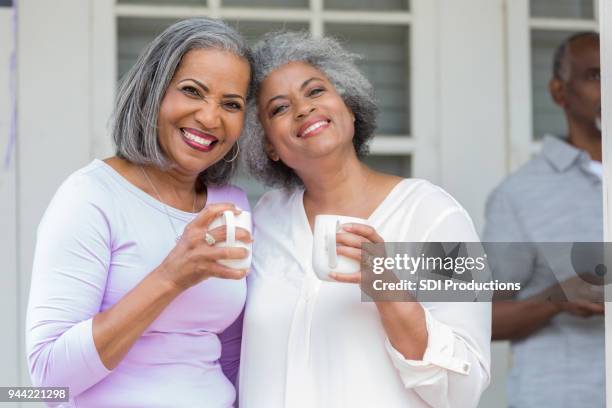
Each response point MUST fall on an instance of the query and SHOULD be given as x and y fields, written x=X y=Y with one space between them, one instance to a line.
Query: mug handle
x=330 y=244
x=230 y=226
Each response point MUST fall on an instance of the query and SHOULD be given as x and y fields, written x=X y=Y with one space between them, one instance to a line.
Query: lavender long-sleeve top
x=99 y=237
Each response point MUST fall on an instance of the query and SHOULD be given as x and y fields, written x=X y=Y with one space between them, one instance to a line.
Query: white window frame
x=520 y=24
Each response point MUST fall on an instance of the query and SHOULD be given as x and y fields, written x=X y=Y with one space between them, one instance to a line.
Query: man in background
x=557 y=346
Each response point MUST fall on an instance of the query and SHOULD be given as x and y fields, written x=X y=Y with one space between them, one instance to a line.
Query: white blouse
x=309 y=343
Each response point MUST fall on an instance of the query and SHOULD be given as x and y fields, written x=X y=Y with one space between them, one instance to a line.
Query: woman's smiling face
x=202 y=113
x=303 y=115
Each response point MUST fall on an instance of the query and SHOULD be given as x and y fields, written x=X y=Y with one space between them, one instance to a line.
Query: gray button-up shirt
x=552 y=198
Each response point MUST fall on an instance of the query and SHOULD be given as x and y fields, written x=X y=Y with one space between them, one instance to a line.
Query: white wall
x=57 y=134
x=54 y=121
x=472 y=101
x=9 y=316
x=472 y=122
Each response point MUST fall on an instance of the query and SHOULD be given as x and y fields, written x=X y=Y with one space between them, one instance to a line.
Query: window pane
x=582 y=9
x=397 y=165
x=266 y=3
x=386 y=54
x=253 y=30
x=133 y=35
x=547 y=117
x=165 y=2
x=380 y=5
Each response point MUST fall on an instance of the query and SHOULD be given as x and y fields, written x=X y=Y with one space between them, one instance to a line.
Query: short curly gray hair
x=328 y=56
x=134 y=122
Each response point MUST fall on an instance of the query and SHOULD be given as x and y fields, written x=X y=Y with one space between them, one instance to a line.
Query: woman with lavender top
x=128 y=305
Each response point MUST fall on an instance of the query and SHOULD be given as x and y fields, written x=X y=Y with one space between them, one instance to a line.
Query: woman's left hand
x=349 y=242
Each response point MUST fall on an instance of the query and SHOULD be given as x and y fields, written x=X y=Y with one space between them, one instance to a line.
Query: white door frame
x=605 y=13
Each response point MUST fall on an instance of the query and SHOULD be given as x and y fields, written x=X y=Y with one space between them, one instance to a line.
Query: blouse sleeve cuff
x=438 y=357
x=89 y=352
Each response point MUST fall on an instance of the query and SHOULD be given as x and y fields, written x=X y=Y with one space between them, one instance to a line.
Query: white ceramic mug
x=325 y=259
x=232 y=221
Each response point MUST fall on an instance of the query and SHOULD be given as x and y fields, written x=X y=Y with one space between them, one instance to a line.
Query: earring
x=235 y=155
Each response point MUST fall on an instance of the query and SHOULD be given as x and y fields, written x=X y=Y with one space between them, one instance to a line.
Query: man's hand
x=582 y=308
x=581 y=295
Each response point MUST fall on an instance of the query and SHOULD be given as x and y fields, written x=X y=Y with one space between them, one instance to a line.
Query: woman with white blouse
x=312 y=343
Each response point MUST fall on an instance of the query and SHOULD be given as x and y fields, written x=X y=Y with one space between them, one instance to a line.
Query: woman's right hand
x=193 y=260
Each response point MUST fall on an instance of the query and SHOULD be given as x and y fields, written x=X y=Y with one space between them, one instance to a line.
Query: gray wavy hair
x=134 y=122
x=337 y=64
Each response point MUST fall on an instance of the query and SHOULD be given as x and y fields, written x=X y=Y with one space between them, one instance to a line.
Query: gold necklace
x=176 y=234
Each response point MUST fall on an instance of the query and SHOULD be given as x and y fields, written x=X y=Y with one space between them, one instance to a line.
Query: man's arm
x=515 y=319
x=512 y=319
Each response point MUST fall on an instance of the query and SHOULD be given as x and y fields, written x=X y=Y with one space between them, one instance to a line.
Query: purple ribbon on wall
x=10 y=147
